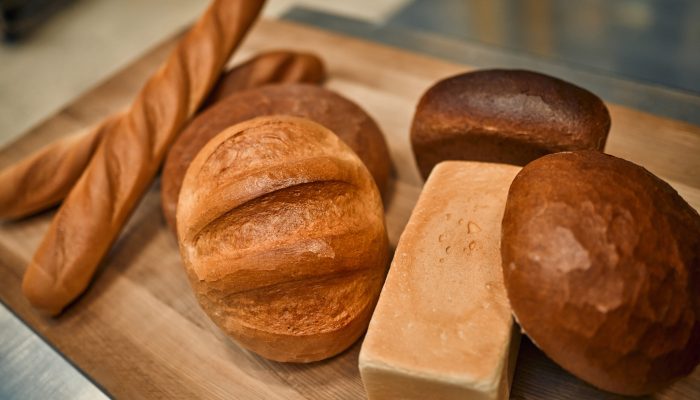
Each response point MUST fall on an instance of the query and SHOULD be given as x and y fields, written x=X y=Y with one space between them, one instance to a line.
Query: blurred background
x=53 y=50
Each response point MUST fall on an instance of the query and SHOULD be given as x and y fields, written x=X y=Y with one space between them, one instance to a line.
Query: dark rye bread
x=505 y=116
x=343 y=117
x=601 y=261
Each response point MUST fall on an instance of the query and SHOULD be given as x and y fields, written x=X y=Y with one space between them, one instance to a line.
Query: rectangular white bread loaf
x=443 y=328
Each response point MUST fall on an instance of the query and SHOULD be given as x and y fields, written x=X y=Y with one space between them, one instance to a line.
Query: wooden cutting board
x=138 y=331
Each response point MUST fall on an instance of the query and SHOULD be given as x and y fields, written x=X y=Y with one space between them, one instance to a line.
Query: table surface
x=390 y=95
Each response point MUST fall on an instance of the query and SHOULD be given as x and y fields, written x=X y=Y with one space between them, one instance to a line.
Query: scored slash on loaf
x=443 y=327
x=346 y=119
x=281 y=232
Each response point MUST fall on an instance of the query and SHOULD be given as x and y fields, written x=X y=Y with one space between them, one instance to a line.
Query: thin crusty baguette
x=129 y=155
x=44 y=178
x=276 y=66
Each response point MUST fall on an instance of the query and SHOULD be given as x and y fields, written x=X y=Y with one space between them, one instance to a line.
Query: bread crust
x=44 y=178
x=601 y=261
x=346 y=119
x=275 y=66
x=506 y=116
x=442 y=328
x=129 y=156
x=281 y=230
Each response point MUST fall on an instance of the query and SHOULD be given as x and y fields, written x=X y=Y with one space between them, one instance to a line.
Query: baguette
x=43 y=179
x=276 y=66
x=129 y=155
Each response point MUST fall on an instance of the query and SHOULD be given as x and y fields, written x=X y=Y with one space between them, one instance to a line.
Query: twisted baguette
x=43 y=179
x=129 y=155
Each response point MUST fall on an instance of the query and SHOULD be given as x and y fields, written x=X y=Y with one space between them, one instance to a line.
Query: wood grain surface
x=138 y=331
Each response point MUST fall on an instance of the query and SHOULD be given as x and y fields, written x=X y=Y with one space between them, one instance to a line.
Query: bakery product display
x=601 y=262
x=44 y=178
x=281 y=231
x=343 y=117
x=443 y=327
x=506 y=116
x=139 y=328
x=129 y=156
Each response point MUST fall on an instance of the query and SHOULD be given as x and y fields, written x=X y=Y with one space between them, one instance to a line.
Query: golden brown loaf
x=282 y=234
x=601 y=261
x=44 y=178
x=343 y=117
x=129 y=156
x=505 y=116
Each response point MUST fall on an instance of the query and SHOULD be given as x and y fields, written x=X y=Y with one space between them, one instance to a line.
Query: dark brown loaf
x=282 y=234
x=601 y=261
x=347 y=120
x=505 y=116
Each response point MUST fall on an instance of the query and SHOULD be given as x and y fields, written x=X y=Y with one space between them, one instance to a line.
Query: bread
x=601 y=261
x=44 y=178
x=282 y=235
x=129 y=156
x=343 y=117
x=277 y=66
x=505 y=116
x=442 y=328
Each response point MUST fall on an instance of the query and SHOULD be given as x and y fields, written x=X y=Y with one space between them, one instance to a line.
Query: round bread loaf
x=343 y=117
x=505 y=116
x=601 y=262
x=282 y=234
